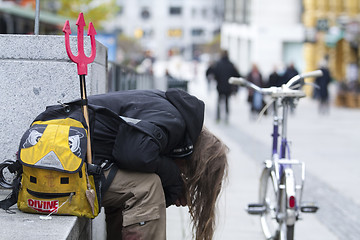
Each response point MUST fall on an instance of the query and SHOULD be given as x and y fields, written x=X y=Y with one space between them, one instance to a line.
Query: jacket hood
x=190 y=108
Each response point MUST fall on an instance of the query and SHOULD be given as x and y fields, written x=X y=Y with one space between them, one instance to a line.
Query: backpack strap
x=11 y=199
x=109 y=178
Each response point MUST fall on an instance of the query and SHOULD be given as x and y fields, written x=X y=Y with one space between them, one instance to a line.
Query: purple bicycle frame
x=275 y=135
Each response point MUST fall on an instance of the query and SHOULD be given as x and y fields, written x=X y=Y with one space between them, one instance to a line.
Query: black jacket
x=223 y=70
x=156 y=127
x=140 y=130
x=323 y=82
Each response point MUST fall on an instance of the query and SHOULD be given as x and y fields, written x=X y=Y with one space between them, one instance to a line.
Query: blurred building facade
x=167 y=26
x=268 y=33
x=17 y=17
x=333 y=32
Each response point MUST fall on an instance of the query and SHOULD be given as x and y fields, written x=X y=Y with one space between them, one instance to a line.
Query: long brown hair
x=205 y=171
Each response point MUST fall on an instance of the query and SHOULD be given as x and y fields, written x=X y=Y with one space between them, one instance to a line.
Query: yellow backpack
x=55 y=179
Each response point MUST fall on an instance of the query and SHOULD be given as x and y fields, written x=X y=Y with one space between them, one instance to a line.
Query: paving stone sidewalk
x=338 y=214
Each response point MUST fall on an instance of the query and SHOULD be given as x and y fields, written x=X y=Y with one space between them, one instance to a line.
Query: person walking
x=274 y=79
x=255 y=98
x=222 y=71
x=290 y=72
x=322 y=94
x=210 y=74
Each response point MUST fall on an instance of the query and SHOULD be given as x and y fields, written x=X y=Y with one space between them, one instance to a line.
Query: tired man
x=162 y=155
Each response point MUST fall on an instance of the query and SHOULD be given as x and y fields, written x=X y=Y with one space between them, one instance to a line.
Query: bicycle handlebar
x=286 y=90
x=243 y=82
x=316 y=73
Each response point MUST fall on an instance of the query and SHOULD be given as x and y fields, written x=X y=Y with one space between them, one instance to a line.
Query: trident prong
x=80 y=59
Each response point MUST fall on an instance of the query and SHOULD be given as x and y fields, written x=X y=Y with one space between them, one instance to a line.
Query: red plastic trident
x=81 y=59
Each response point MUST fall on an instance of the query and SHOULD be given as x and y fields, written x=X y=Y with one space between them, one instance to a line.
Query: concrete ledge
x=19 y=225
x=35 y=72
x=45 y=47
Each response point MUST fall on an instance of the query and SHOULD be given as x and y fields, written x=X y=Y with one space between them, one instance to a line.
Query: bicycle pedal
x=309 y=208
x=256 y=209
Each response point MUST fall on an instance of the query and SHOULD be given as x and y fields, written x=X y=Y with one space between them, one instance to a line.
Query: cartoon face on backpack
x=33 y=135
x=47 y=145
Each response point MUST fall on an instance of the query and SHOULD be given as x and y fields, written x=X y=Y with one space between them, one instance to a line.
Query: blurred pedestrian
x=352 y=75
x=146 y=65
x=210 y=77
x=322 y=94
x=290 y=72
x=223 y=70
x=275 y=79
x=255 y=98
x=169 y=78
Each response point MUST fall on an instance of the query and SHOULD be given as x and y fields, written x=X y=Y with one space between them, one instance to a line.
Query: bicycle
x=280 y=195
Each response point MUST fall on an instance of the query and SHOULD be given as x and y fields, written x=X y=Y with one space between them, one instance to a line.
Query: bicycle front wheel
x=268 y=197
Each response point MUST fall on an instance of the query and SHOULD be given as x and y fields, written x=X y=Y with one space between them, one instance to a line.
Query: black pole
x=83 y=87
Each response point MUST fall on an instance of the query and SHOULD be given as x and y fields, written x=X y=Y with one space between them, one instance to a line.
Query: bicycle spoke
x=268 y=219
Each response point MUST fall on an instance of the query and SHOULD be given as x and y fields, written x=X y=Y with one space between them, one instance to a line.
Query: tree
x=95 y=11
x=213 y=47
x=130 y=50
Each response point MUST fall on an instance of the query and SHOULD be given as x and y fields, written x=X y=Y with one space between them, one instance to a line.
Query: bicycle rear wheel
x=287 y=180
x=287 y=215
x=285 y=232
x=268 y=197
x=290 y=232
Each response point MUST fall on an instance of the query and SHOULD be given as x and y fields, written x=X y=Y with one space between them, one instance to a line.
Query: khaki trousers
x=135 y=207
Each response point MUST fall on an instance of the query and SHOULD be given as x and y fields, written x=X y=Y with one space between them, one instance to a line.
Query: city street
x=328 y=144
x=160 y=44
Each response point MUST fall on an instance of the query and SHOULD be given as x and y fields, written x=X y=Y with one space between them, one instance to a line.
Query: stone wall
x=35 y=71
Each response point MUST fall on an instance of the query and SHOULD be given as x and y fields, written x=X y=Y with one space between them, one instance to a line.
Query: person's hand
x=181 y=201
x=181 y=163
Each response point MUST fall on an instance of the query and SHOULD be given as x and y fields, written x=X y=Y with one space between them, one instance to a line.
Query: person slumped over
x=164 y=156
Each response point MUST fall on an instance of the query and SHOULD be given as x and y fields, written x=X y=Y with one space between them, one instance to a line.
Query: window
x=175 y=11
x=145 y=13
x=138 y=33
x=217 y=13
x=193 y=12
x=247 y=11
x=175 y=32
x=121 y=10
x=239 y=11
x=196 y=32
x=148 y=33
x=141 y=33
x=242 y=11
x=204 y=12
x=229 y=10
x=216 y=32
